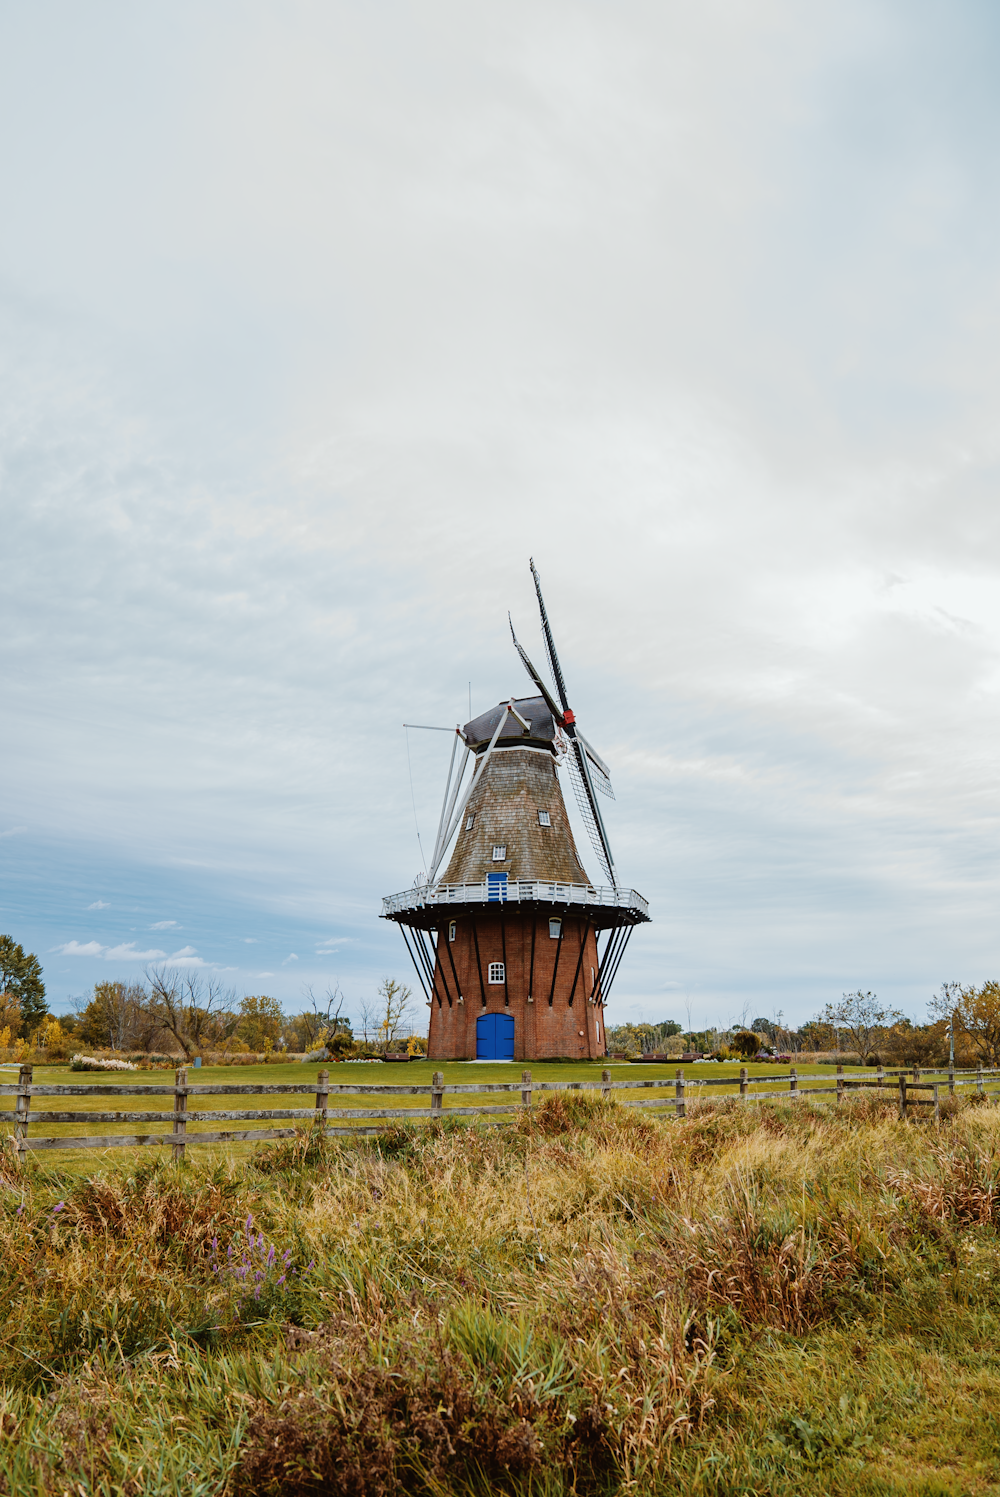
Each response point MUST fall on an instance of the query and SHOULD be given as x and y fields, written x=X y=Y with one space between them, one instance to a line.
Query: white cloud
x=14 y=831
x=250 y=941
x=99 y=904
x=165 y=925
x=265 y=974
x=121 y=953
x=127 y=952
x=291 y=957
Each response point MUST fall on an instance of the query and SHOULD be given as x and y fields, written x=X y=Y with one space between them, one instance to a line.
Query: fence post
x=840 y=1084
x=526 y=1088
x=22 y=1107
x=979 y=1078
x=437 y=1094
x=916 y=1073
x=880 y=1074
x=902 y=1094
x=680 y=1110
x=743 y=1081
x=951 y=1079
x=793 y=1080
x=937 y=1106
x=180 y=1113
x=605 y=1084
x=322 y=1100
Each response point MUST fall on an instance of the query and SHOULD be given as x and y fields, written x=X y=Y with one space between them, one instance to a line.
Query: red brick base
x=547 y=990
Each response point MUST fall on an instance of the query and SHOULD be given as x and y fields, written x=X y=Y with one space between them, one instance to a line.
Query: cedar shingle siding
x=516 y=784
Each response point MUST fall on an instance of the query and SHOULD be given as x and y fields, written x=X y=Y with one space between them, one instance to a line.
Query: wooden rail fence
x=354 y=1120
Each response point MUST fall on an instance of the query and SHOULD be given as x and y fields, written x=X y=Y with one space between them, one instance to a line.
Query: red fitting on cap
x=569 y=716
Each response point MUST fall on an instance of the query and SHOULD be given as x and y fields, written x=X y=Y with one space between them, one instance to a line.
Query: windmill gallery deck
x=514 y=946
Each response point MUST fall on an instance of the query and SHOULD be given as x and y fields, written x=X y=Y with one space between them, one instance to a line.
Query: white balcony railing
x=529 y=890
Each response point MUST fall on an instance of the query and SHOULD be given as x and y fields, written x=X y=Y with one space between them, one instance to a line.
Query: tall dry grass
x=753 y=1299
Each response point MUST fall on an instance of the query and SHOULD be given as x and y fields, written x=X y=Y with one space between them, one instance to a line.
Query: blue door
x=496 y=888
x=495 y=1037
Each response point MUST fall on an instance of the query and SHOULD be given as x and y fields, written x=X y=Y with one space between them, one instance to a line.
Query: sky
x=318 y=320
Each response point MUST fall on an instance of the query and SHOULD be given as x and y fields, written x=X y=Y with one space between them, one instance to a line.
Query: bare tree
x=862 y=1017
x=195 y=1010
x=323 y=1017
x=390 y=1008
x=116 y=1015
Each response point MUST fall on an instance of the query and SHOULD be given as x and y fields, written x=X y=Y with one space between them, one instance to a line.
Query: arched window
x=452 y=926
x=555 y=929
x=496 y=972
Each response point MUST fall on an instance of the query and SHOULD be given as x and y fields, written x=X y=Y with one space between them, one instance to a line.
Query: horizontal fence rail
x=910 y=1088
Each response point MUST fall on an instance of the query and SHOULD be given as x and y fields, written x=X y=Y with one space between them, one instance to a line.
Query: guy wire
x=413 y=798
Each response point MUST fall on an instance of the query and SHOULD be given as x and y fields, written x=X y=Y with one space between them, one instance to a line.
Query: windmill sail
x=583 y=756
x=586 y=809
x=536 y=677
x=550 y=644
x=599 y=771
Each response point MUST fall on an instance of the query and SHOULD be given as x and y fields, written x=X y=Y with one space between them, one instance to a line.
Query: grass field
x=765 y=1299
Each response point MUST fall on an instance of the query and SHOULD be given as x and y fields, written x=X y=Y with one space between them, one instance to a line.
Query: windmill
x=506 y=940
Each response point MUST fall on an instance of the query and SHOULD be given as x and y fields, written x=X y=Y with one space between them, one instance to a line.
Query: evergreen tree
x=21 y=975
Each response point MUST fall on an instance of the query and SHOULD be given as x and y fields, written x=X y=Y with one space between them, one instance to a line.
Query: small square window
x=496 y=972
x=500 y=853
x=451 y=931
x=544 y=819
x=470 y=821
x=555 y=929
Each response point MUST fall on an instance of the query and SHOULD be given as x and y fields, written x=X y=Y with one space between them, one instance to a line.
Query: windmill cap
x=534 y=710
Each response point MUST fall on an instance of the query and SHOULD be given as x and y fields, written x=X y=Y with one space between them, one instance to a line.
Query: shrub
x=93 y=1063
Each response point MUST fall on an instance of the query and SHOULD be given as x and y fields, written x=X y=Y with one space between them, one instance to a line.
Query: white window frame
x=470 y=821
x=554 y=935
x=544 y=819
x=452 y=924
x=499 y=852
x=496 y=974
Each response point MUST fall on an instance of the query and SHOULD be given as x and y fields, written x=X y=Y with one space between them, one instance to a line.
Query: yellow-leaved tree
x=260 y=1022
x=975 y=1013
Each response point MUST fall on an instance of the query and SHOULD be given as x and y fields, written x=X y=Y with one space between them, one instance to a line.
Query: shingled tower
x=506 y=942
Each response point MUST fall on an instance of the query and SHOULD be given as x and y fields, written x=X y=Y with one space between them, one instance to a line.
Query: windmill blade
x=588 y=811
x=599 y=771
x=535 y=676
x=550 y=644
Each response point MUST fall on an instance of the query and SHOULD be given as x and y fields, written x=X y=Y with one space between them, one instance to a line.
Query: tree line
x=190 y=1013
x=965 y=1016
